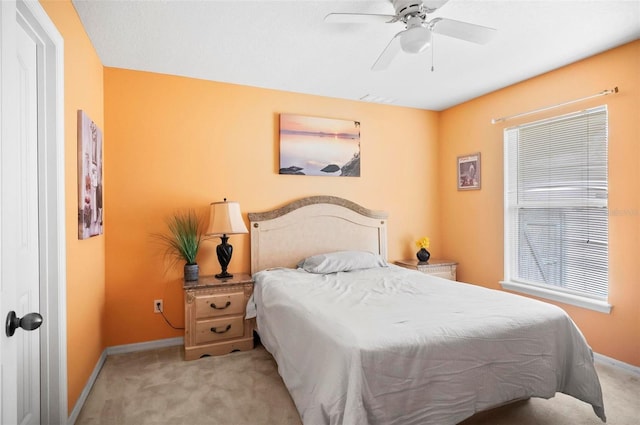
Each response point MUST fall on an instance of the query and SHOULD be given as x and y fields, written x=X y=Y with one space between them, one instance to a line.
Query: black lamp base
x=224 y=251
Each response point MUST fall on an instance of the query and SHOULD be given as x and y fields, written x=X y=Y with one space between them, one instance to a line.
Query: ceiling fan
x=416 y=37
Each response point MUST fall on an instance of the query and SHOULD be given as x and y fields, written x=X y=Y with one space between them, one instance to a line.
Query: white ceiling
x=286 y=45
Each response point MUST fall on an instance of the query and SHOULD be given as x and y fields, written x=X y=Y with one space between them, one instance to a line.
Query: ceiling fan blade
x=462 y=30
x=388 y=54
x=359 y=18
x=431 y=6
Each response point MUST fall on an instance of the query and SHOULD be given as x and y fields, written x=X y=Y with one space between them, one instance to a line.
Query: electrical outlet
x=158 y=307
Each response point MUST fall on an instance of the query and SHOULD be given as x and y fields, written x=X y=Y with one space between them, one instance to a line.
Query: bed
x=359 y=341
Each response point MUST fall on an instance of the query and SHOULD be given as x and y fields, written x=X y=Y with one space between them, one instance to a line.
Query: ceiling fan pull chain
x=433 y=47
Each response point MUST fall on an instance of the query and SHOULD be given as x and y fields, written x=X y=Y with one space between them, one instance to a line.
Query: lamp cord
x=168 y=322
x=165 y=317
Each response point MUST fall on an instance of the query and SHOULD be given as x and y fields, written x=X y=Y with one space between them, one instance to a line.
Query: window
x=556 y=211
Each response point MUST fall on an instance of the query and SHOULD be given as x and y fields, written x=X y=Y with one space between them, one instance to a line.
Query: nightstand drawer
x=440 y=268
x=447 y=274
x=219 y=329
x=219 y=305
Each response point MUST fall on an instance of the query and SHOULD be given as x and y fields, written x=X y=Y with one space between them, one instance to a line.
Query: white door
x=26 y=171
x=20 y=237
x=33 y=372
x=8 y=131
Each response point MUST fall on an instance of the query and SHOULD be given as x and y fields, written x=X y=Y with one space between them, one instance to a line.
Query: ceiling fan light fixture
x=415 y=39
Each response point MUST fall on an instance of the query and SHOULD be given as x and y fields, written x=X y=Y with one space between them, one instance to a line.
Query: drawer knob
x=213 y=305
x=216 y=331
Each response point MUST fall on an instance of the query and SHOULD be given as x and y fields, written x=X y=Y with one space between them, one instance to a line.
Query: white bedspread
x=394 y=346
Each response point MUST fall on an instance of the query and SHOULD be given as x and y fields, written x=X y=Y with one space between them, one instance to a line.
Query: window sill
x=578 y=301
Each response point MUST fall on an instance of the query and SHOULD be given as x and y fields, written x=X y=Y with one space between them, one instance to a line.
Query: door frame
x=51 y=209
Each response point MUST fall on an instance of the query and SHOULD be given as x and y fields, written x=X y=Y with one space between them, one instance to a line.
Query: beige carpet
x=158 y=387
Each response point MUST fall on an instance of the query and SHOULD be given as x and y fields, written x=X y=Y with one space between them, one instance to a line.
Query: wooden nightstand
x=441 y=268
x=214 y=311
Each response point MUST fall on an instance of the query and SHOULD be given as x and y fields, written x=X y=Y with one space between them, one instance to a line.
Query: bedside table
x=214 y=311
x=441 y=268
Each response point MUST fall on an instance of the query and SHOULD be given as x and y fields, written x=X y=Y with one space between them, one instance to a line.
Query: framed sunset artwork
x=312 y=146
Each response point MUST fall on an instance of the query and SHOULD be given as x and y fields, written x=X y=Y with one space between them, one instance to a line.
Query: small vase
x=423 y=255
x=191 y=272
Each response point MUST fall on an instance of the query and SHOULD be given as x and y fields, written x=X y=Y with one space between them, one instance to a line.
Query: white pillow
x=341 y=261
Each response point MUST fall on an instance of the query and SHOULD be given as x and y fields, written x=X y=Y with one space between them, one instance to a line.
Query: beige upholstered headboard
x=314 y=225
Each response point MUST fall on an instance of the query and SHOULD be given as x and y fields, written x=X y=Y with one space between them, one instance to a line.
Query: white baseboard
x=117 y=349
x=87 y=388
x=143 y=346
x=600 y=358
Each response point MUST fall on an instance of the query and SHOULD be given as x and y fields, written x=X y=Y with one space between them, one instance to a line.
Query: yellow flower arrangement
x=423 y=242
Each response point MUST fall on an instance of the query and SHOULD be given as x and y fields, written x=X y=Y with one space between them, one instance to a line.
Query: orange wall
x=472 y=221
x=85 y=259
x=176 y=143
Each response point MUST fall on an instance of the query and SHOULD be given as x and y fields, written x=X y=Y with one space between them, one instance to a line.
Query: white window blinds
x=556 y=214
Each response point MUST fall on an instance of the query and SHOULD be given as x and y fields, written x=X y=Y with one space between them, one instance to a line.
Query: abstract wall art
x=90 y=212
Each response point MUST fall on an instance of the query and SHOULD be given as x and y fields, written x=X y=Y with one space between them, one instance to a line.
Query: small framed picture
x=469 y=172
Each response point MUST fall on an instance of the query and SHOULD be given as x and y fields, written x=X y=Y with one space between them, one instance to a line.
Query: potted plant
x=183 y=241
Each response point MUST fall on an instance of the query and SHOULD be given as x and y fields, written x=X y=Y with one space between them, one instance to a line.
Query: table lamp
x=225 y=219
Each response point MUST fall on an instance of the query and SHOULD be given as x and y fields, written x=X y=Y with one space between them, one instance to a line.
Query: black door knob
x=29 y=322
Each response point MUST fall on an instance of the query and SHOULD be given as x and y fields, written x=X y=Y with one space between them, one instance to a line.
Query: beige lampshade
x=225 y=219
